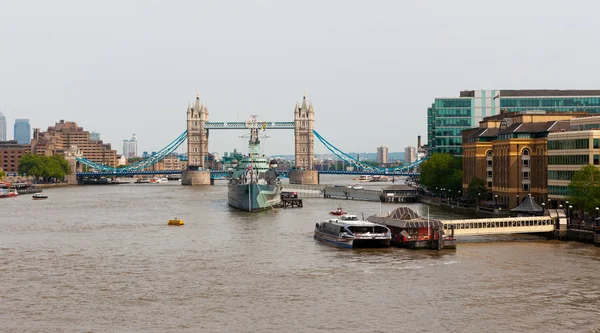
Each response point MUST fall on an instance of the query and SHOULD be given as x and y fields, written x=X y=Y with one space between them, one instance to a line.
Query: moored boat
x=8 y=193
x=350 y=232
x=253 y=182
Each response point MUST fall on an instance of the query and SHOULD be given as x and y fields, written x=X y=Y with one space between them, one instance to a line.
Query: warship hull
x=253 y=197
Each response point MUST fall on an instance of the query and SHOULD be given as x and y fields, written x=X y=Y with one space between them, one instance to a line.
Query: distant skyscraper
x=130 y=147
x=410 y=154
x=2 y=127
x=22 y=131
x=382 y=154
x=95 y=136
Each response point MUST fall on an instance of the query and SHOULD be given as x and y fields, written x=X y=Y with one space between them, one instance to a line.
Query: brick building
x=57 y=139
x=10 y=154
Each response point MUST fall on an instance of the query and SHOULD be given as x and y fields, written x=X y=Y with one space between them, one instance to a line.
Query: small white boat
x=39 y=196
x=350 y=232
x=365 y=178
x=164 y=180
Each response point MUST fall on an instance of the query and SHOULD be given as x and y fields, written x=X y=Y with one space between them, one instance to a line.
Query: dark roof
x=528 y=206
x=404 y=217
x=399 y=187
x=536 y=93
x=549 y=126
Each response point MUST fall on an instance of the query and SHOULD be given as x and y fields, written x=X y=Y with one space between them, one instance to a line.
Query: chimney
x=418 y=142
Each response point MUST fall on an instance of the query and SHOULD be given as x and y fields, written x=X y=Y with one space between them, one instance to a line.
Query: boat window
x=360 y=230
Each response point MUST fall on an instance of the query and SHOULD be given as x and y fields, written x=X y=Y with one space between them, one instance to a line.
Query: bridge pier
x=196 y=177
x=304 y=177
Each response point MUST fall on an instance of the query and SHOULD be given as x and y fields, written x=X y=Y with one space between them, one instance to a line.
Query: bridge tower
x=197 y=140
x=304 y=123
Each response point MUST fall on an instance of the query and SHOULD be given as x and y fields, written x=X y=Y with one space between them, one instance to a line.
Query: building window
x=596 y=159
x=596 y=145
x=489 y=185
x=526 y=175
x=526 y=163
x=489 y=174
x=525 y=152
x=526 y=187
x=489 y=163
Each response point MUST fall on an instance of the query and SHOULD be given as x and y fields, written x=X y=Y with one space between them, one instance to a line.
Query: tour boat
x=350 y=232
x=8 y=193
x=365 y=178
x=39 y=196
x=338 y=212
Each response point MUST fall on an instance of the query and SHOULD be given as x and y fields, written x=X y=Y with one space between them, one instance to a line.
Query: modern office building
x=410 y=154
x=448 y=117
x=568 y=152
x=2 y=127
x=509 y=152
x=60 y=137
x=22 y=131
x=130 y=147
x=10 y=154
x=95 y=136
x=382 y=155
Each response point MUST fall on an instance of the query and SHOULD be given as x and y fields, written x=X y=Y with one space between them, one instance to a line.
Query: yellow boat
x=175 y=221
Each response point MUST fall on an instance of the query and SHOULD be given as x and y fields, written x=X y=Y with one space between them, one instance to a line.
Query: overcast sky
x=371 y=68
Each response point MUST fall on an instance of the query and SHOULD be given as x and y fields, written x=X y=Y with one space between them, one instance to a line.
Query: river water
x=102 y=258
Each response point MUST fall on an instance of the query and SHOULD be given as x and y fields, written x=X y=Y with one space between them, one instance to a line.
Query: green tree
x=584 y=189
x=2 y=174
x=44 y=167
x=477 y=189
x=133 y=160
x=442 y=171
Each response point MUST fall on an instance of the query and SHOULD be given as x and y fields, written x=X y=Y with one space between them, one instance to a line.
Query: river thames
x=102 y=258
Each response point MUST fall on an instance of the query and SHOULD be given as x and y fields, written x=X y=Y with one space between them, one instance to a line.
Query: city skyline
x=377 y=68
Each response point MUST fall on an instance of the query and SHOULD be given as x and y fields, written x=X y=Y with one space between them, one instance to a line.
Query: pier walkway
x=507 y=225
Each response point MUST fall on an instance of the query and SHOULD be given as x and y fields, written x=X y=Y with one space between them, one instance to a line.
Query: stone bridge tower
x=197 y=141
x=197 y=137
x=304 y=123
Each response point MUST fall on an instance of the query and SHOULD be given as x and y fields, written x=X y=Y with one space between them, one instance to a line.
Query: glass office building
x=448 y=117
x=22 y=131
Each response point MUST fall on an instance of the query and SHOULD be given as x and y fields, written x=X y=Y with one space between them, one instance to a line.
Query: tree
x=2 y=174
x=133 y=160
x=44 y=167
x=584 y=189
x=477 y=189
x=442 y=171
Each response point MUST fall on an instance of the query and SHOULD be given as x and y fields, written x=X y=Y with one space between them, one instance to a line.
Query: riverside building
x=568 y=152
x=10 y=154
x=509 y=152
x=449 y=116
x=60 y=137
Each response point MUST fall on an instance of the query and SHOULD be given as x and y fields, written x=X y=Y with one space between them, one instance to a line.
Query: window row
x=549 y=102
x=569 y=160
x=558 y=190
x=560 y=174
x=453 y=112
x=570 y=144
x=453 y=103
x=465 y=122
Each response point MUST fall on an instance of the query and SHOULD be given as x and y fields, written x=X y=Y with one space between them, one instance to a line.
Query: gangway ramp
x=493 y=226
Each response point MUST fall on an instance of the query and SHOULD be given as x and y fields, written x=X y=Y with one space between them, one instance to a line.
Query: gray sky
x=371 y=68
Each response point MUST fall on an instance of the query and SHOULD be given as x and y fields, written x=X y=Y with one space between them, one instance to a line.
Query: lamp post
x=549 y=201
x=496 y=200
x=570 y=213
x=517 y=205
x=543 y=208
x=597 y=212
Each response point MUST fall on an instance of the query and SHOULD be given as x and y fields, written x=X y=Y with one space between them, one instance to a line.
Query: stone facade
x=191 y=177
x=304 y=177
x=304 y=119
x=197 y=138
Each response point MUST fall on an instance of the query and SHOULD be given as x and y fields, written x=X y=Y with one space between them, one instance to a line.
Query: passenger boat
x=365 y=178
x=338 y=212
x=8 y=193
x=253 y=183
x=350 y=232
x=39 y=196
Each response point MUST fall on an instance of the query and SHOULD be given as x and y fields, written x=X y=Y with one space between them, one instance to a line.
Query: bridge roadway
x=221 y=174
x=494 y=226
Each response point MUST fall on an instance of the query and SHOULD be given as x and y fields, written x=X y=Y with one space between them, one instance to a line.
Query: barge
x=411 y=231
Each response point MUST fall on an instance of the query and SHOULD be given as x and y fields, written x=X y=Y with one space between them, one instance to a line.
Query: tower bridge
x=197 y=137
